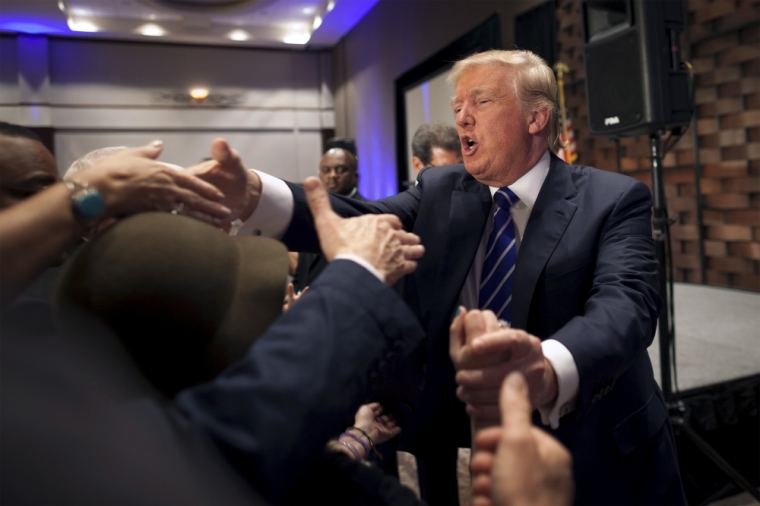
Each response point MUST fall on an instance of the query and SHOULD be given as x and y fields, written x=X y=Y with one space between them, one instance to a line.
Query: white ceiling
x=252 y=23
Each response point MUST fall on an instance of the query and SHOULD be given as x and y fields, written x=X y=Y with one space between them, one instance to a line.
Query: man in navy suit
x=584 y=294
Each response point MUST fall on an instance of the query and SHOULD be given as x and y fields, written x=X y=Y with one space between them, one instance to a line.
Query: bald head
x=26 y=167
x=337 y=171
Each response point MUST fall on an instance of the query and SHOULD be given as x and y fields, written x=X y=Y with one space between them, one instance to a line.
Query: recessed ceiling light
x=151 y=30
x=309 y=10
x=330 y=6
x=296 y=38
x=317 y=22
x=61 y=5
x=80 y=25
x=239 y=35
x=199 y=93
x=152 y=16
x=78 y=11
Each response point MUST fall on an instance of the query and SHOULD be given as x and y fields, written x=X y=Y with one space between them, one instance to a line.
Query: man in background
x=337 y=171
x=435 y=145
x=26 y=165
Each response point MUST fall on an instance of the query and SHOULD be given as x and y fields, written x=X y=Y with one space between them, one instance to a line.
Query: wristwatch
x=87 y=203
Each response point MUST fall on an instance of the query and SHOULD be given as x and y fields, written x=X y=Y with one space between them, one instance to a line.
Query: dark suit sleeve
x=301 y=383
x=301 y=235
x=620 y=315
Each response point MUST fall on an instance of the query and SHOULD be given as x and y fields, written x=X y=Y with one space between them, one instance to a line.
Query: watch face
x=90 y=204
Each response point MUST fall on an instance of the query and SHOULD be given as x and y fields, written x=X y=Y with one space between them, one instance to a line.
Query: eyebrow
x=473 y=92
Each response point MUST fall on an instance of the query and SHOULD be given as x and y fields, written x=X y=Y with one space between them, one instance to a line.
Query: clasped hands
x=502 y=376
x=484 y=352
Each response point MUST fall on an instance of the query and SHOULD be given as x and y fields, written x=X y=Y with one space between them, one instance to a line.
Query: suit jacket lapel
x=468 y=213
x=547 y=223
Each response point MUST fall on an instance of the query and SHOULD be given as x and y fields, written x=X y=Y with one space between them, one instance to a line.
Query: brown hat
x=185 y=299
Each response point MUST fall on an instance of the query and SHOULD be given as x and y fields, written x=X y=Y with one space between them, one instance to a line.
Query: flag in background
x=569 y=154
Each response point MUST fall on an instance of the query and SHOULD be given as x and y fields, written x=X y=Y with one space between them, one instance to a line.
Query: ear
x=538 y=120
x=417 y=165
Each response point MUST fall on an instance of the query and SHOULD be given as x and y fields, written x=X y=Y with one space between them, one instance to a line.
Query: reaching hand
x=379 y=427
x=131 y=181
x=241 y=187
x=484 y=353
x=291 y=297
x=518 y=464
x=378 y=239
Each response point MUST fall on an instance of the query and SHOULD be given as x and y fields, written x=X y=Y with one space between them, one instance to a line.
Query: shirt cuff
x=274 y=212
x=567 y=382
x=359 y=260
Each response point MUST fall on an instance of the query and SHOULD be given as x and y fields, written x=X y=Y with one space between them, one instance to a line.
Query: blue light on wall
x=28 y=26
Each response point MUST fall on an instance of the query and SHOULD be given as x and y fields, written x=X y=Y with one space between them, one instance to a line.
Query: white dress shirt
x=275 y=210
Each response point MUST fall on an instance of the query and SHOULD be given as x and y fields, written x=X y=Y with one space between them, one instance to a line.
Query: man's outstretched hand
x=241 y=187
x=516 y=463
x=378 y=239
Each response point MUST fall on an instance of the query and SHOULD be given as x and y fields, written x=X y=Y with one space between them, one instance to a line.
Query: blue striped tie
x=499 y=263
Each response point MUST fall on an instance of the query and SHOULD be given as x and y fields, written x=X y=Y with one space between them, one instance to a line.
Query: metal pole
x=660 y=222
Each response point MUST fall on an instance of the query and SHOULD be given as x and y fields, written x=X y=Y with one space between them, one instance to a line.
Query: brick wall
x=713 y=190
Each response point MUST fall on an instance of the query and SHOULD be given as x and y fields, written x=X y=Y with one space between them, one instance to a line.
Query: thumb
x=515 y=405
x=221 y=151
x=318 y=201
x=152 y=150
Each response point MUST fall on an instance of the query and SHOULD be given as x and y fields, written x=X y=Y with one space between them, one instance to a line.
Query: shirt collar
x=527 y=187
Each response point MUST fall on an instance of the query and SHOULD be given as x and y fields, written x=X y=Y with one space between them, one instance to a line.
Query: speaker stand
x=661 y=225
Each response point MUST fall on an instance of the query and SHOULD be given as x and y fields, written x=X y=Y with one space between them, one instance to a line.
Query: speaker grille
x=614 y=84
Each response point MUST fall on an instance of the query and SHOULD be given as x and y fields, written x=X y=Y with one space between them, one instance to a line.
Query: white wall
x=100 y=93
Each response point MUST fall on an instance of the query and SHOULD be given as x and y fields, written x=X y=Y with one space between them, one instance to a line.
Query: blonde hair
x=534 y=82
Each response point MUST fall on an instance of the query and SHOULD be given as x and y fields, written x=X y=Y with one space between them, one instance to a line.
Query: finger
x=395 y=431
x=319 y=202
x=391 y=219
x=487 y=377
x=517 y=343
x=408 y=237
x=515 y=404
x=488 y=439
x=194 y=202
x=195 y=185
x=482 y=462
x=481 y=485
x=291 y=291
x=152 y=150
x=474 y=325
x=484 y=412
x=200 y=168
x=222 y=153
x=480 y=396
x=480 y=500
x=491 y=322
x=413 y=252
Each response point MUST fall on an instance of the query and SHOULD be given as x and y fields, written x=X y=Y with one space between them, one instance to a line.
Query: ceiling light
x=239 y=35
x=61 y=5
x=152 y=17
x=317 y=22
x=330 y=6
x=75 y=11
x=80 y=25
x=296 y=38
x=199 y=93
x=151 y=30
x=309 y=10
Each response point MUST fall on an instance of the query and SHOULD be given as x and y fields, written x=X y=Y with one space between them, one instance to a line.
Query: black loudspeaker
x=636 y=82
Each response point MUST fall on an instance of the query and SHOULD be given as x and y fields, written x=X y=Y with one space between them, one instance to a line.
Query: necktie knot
x=505 y=198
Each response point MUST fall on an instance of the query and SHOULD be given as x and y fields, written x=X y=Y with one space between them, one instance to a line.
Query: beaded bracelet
x=359 y=440
x=371 y=443
x=351 y=448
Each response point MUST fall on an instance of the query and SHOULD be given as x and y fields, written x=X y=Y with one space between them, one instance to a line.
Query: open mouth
x=468 y=144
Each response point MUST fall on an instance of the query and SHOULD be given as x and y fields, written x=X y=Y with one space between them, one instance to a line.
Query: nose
x=464 y=117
